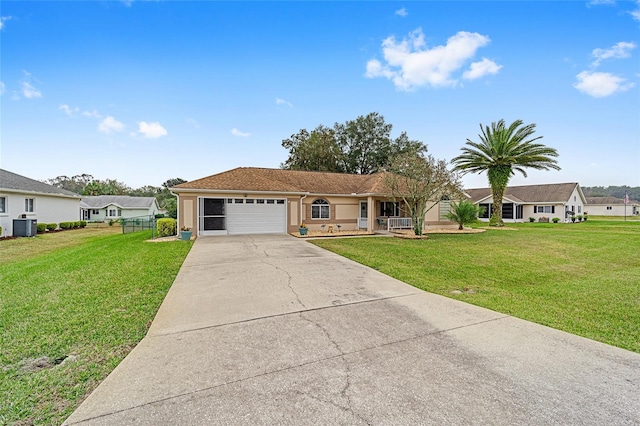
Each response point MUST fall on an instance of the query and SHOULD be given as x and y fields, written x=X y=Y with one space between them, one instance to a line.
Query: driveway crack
x=289 y=282
x=344 y=393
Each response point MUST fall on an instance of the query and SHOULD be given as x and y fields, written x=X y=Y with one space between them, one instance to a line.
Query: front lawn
x=72 y=305
x=583 y=278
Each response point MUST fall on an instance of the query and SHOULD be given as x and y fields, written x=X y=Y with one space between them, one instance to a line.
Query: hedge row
x=73 y=225
x=42 y=227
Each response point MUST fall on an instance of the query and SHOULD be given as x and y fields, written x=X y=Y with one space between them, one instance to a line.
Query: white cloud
x=635 y=14
x=617 y=51
x=109 y=125
x=236 y=132
x=193 y=122
x=283 y=102
x=480 y=69
x=92 y=114
x=30 y=92
x=402 y=12
x=1 y=88
x=151 y=130
x=68 y=110
x=2 y=20
x=601 y=84
x=600 y=2
x=410 y=64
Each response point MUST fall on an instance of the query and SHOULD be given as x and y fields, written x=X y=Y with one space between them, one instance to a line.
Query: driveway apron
x=269 y=329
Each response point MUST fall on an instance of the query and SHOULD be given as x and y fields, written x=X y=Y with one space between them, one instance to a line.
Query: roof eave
x=50 y=194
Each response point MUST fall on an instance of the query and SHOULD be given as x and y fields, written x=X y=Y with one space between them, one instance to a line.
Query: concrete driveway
x=273 y=330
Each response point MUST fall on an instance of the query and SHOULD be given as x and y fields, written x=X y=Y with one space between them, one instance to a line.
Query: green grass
x=88 y=293
x=583 y=278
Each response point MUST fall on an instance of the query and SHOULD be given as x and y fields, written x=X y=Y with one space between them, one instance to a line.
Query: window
x=486 y=210
x=260 y=201
x=388 y=208
x=609 y=208
x=280 y=201
x=320 y=209
x=3 y=204
x=112 y=212
x=29 y=205
x=579 y=209
x=119 y=212
x=271 y=201
x=95 y=211
x=544 y=209
x=249 y=201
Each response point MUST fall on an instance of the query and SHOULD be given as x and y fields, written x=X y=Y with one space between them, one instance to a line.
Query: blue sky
x=144 y=91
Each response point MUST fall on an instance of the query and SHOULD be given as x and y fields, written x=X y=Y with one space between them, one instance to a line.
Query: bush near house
x=166 y=227
x=42 y=227
x=83 y=223
x=51 y=226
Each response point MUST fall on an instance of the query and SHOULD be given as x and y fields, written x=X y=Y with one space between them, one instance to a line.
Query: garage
x=235 y=216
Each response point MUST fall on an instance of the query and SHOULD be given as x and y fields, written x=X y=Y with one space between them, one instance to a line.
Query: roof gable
x=251 y=179
x=13 y=182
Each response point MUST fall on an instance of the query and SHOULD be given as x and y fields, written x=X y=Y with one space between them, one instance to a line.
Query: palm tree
x=464 y=213
x=502 y=151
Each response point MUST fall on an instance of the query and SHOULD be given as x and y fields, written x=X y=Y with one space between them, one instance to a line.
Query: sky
x=145 y=91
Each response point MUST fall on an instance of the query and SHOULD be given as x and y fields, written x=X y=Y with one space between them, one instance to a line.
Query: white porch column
x=371 y=214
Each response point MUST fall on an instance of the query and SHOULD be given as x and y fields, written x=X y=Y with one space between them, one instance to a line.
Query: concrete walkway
x=273 y=330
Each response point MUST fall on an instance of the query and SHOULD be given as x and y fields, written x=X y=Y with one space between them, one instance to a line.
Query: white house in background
x=25 y=198
x=519 y=203
x=100 y=208
x=612 y=206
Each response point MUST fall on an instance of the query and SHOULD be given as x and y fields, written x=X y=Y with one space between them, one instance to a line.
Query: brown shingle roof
x=548 y=193
x=295 y=181
x=608 y=200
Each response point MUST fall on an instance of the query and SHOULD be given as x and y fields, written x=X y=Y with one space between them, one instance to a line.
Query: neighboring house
x=22 y=197
x=101 y=208
x=611 y=206
x=250 y=200
x=519 y=203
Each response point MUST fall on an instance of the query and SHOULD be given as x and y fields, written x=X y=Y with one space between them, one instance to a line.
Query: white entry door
x=363 y=216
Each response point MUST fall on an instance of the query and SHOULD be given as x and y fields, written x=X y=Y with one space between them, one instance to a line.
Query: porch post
x=371 y=214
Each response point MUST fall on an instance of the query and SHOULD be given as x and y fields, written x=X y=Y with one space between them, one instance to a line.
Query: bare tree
x=420 y=182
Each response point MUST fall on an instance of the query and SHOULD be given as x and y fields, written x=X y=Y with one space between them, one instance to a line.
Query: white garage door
x=256 y=216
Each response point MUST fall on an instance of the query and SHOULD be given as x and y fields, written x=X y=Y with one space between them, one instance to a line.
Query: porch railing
x=399 y=223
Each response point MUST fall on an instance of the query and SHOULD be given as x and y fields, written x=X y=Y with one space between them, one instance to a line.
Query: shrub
x=166 y=227
x=42 y=227
x=64 y=225
x=556 y=219
x=52 y=226
x=76 y=224
x=532 y=219
x=0 y=230
x=83 y=223
x=464 y=213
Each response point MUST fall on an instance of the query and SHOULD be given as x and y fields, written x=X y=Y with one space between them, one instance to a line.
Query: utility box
x=25 y=227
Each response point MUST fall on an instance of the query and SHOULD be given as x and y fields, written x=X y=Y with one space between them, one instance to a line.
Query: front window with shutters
x=545 y=209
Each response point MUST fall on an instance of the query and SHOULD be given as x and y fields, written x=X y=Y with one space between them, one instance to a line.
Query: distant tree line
x=86 y=184
x=612 y=191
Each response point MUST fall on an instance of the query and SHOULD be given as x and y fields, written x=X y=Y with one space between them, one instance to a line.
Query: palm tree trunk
x=498 y=179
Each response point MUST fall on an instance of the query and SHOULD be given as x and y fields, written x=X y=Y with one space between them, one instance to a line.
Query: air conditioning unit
x=25 y=227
